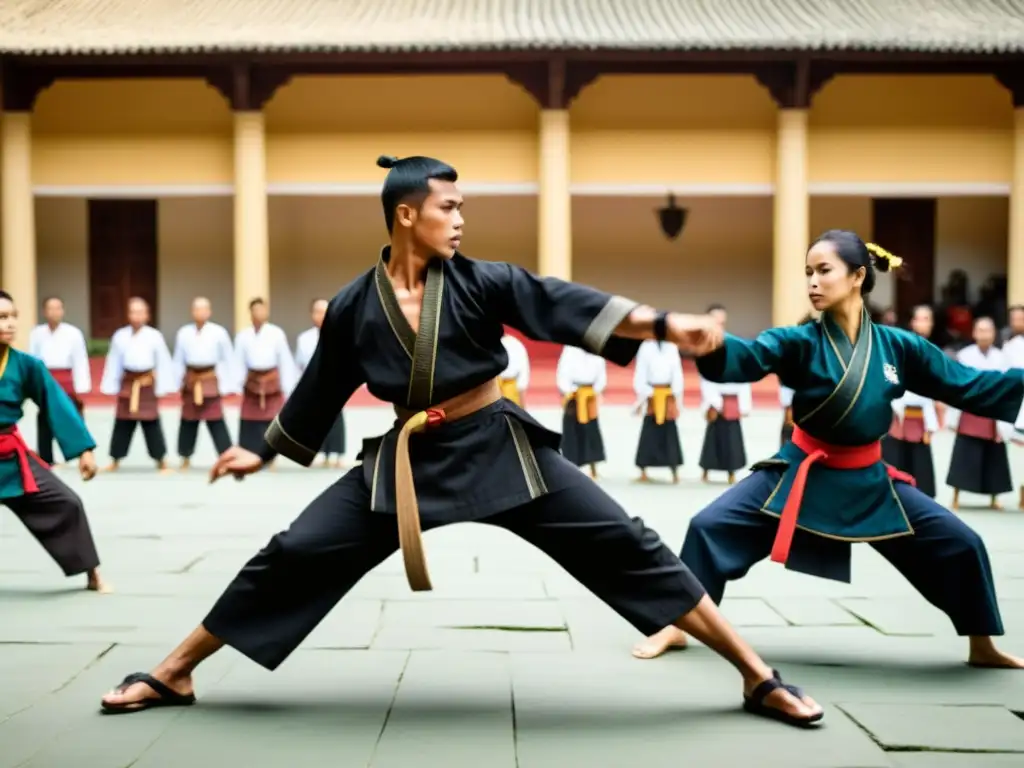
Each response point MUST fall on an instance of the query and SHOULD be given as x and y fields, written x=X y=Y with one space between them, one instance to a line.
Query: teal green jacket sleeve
x=930 y=372
x=737 y=361
x=65 y=422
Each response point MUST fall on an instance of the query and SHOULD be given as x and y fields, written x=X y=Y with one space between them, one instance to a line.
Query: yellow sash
x=510 y=390
x=659 y=399
x=583 y=395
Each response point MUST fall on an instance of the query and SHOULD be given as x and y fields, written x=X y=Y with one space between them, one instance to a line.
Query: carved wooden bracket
x=246 y=88
x=553 y=84
x=21 y=87
x=1013 y=81
x=793 y=85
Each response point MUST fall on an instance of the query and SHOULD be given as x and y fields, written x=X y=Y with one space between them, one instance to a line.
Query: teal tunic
x=843 y=396
x=23 y=377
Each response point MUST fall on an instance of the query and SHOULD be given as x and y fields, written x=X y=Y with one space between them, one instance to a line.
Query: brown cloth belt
x=410 y=537
x=138 y=381
x=198 y=376
x=270 y=376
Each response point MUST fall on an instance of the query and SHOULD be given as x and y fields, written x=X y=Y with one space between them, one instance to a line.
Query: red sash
x=834 y=457
x=65 y=380
x=910 y=428
x=731 y=407
x=977 y=426
x=13 y=446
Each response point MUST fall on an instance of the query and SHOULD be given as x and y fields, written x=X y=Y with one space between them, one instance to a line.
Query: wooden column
x=18 y=219
x=1015 y=250
x=1013 y=81
x=247 y=91
x=252 y=235
x=18 y=273
x=554 y=202
x=790 y=219
x=792 y=87
x=554 y=85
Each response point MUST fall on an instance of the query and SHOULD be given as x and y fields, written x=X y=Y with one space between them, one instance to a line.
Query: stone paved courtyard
x=509 y=662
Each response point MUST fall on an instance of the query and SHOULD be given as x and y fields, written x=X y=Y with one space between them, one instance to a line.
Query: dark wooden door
x=906 y=228
x=122 y=260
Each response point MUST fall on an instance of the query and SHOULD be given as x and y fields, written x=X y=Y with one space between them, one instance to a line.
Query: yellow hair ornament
x=894 y=262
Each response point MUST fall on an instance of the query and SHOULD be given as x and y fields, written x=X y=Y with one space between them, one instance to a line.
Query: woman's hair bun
x=387 y=161
x=881 y=265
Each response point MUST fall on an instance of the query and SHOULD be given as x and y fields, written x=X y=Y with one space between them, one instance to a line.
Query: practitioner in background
x=723 y=405
x=980 y=463
x=786 y=401
x=138 y=371
x=52 y=512
x=786 y=395
x=1013 y=349
x=908 y=446
x=262 y=356
x=515 y=379
x=658 y=383
x=581 y=378
x=61 y=347
x=333 y=448
x=203 y=363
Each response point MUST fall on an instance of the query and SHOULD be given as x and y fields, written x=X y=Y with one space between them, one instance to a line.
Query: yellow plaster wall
x=669 y=128
x=893 y=128
x=131 y=132
x=331 y=129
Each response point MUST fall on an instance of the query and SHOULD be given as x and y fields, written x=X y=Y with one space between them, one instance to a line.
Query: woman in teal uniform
x=51 y=511
x=829 y=487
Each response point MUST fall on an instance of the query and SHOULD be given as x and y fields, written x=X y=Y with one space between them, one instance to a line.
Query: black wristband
x=660 y=326
x=266 y=453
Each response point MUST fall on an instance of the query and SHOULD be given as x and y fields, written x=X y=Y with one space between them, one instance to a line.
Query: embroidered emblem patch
x=890 y=373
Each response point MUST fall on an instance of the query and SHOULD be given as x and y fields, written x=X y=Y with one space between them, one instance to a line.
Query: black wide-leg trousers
x=287 y=589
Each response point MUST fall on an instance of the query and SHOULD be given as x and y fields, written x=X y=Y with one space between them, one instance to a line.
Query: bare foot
x=675 y=478
x=111 y=467
x=985 y=654
x=136 y=694
x=704 y=476
x=995 y=505
x=643 y=478
x=186 y=464
x=97 y=584
x=669 y=639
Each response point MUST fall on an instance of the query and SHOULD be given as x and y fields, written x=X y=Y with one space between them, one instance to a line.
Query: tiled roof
x=132 y=26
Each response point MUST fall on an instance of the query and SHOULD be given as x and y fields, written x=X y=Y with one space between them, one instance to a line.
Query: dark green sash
x=855 y=359
x=421 y=345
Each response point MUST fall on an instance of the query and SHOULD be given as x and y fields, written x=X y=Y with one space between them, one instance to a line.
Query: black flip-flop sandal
x=166 y=696
x=755 y=705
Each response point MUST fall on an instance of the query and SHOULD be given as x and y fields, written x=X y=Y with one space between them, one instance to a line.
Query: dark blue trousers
x=945 y=560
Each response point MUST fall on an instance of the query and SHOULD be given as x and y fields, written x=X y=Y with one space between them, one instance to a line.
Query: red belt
x=12 y=444
x=834 y=457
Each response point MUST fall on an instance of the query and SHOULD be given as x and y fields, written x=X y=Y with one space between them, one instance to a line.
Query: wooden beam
x=793 y=85
x=1013 y=80
x=21 y=87
x=554 y=79
x=554 y=84
x=246 y=88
